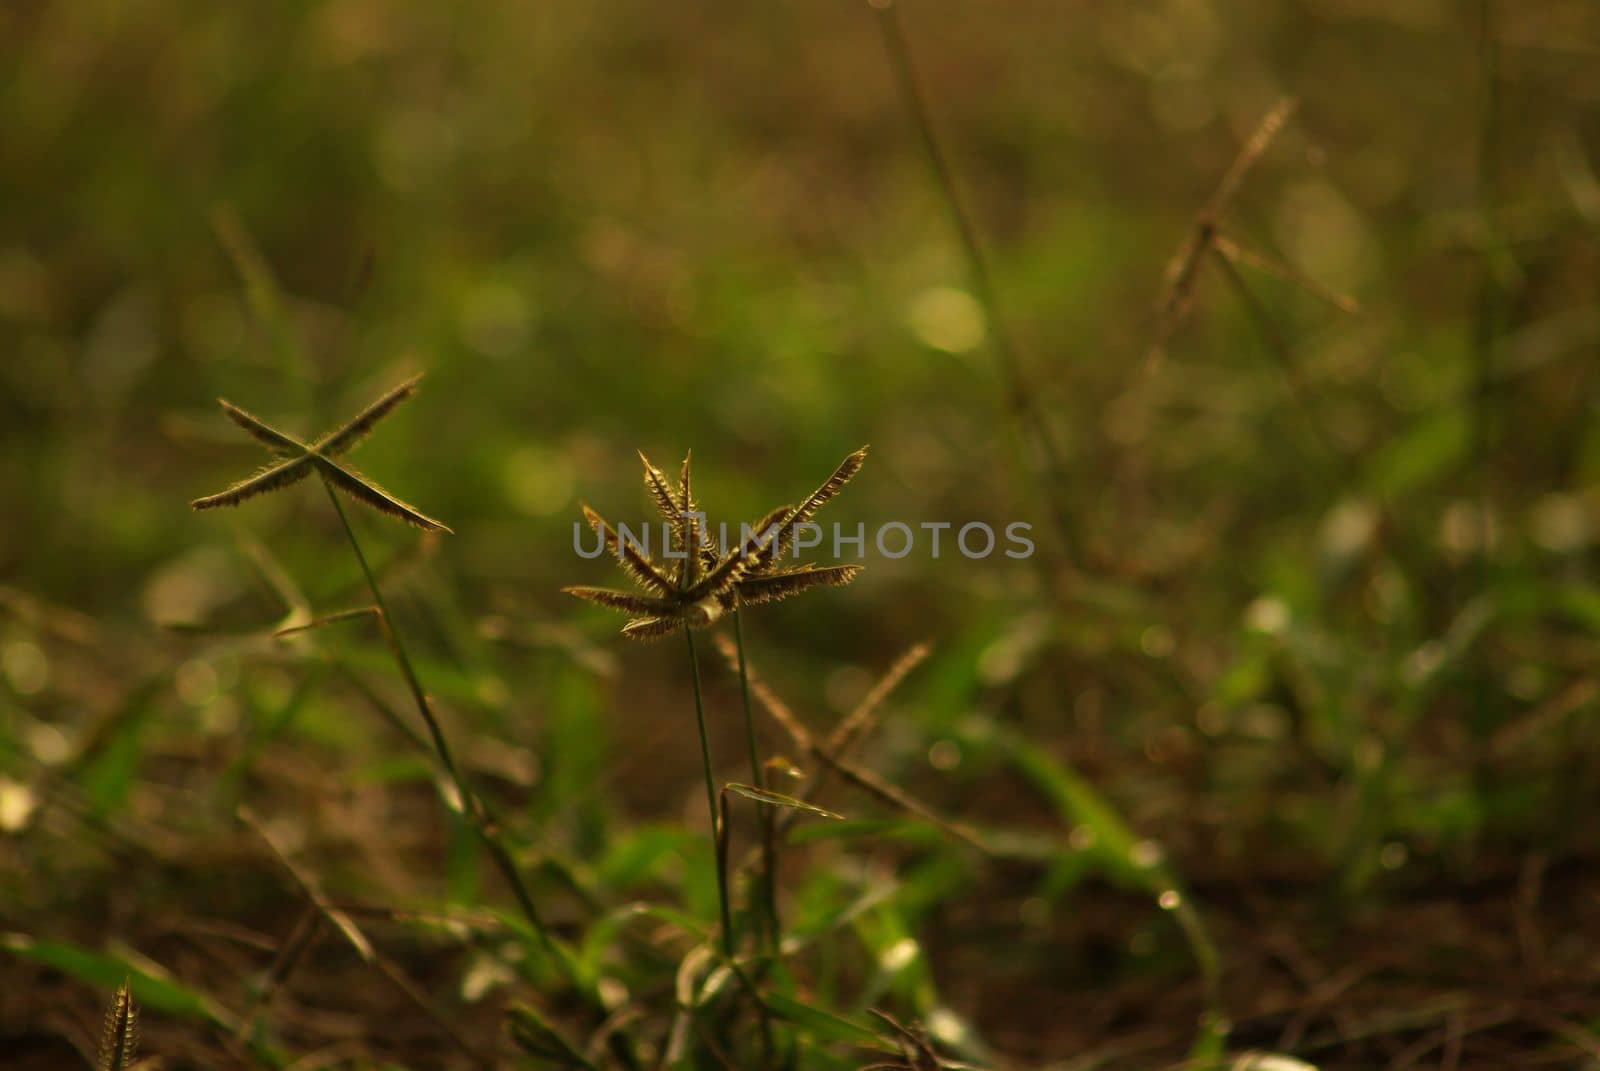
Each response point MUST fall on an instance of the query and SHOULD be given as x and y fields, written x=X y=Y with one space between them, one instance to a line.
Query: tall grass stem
x=711 y=801
x=769 y=841
x=472 y=808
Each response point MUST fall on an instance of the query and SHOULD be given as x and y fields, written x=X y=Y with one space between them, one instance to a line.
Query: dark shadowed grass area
x=1276 y=322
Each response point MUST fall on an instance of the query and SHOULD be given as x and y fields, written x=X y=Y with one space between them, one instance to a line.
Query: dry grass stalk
x=1235 y=253
x=1184 y=269
x=830 y=754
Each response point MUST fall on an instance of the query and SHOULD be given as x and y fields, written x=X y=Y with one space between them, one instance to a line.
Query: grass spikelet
x=264 y=481
x=280 y=444
x=348 y=437
x=119 y=1038
x=807 y=509
x=619 y=600
x=642 y=569
x=793 y=581
x=667 y=504
x=650 y=628
x=834 y=484
x=364 y=490
x=695 y=542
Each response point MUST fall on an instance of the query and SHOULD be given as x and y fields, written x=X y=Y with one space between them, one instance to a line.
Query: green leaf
x=777 y=799
x=151 y=986
x=823 y=1025
x=112 y=759
x=463 y=860
x=539 y=1039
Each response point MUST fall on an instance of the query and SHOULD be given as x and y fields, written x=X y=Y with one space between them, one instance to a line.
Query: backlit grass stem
x=711 y=801
x=768 y=881
x=471 y=806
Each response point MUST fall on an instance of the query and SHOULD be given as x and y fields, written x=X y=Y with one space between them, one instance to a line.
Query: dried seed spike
x=697 y=528
x=280 y=444
x=1253 y=150
x=655 y=481
x=364 y=490
x=1183 y=270
x=730 y=568
x=344 y=439
x=651 y=628
x=830 y=755
x=694 y=537
x=853 y=723
x=755 y=590
x=620 y=600
x=119 y=1042
x=817 y=499
x=268 y=479
x=634 y=563
x=832 y=486
x=685 y=499
x=1288 y=273
x=773 y=519
x=709 y=555
x=753 y=555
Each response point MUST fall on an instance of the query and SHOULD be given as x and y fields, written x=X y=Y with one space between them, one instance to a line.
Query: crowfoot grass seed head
x=702 y=582
x=296 y=460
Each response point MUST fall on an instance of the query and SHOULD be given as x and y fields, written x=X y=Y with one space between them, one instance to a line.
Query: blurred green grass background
x=1325 y=619
x=675 y=228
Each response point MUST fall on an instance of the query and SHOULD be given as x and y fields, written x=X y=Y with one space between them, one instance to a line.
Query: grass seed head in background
x=701 y=581
x=297 y=460
x=119 y=1039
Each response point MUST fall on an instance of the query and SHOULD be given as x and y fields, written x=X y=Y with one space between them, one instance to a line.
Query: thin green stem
x=472 y=808
x=440 y=744
x=723 y=830
x=1214 y=1024
x=769 y=834
x=711 y=801
x=769 y=840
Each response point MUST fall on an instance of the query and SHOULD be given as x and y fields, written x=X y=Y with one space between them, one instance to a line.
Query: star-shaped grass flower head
x=699 y=581
x=295 y=460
